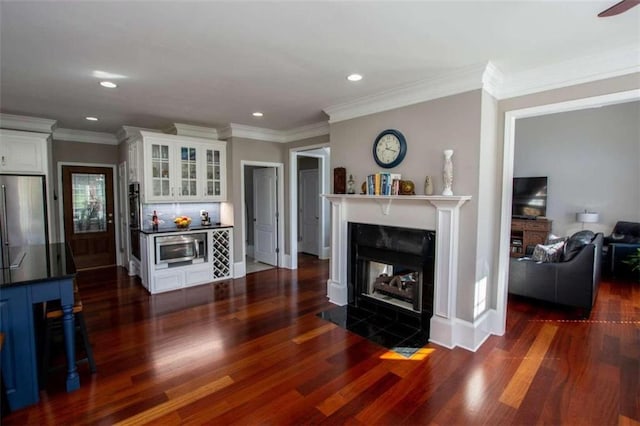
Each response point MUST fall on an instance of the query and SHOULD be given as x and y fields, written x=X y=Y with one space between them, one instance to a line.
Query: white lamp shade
x=587 y=217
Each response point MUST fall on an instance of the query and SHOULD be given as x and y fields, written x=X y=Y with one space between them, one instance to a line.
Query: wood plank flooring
x=252 y=351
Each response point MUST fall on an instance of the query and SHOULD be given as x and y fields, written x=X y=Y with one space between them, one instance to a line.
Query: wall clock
x=389 y=148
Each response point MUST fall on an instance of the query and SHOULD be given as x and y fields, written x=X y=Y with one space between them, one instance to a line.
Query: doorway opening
x=511 y=118
x=310 y=226
x=263 y=202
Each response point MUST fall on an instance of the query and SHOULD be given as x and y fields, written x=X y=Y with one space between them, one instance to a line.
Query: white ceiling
x=214 y=63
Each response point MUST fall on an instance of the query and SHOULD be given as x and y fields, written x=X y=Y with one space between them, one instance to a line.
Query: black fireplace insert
x=391 y=272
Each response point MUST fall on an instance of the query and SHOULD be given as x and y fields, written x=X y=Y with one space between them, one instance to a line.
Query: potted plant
x=633 y=260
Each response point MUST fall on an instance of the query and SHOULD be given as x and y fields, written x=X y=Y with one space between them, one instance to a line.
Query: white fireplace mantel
x=439 y=213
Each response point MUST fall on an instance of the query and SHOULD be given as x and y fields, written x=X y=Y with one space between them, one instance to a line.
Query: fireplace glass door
x=395 y=284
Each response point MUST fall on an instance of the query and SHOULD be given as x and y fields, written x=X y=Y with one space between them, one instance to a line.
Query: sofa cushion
x=575 y=243
x=548 y=253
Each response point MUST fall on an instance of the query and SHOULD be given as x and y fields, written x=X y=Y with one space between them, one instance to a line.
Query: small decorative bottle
x=351 y=185
x=428 y=186
x=154 y=221
x=447 y=173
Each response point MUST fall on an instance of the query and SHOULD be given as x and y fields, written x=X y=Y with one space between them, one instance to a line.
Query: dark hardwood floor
x=253 y=351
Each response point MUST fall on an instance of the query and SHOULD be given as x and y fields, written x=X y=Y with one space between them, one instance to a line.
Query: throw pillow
x=548 y=253
x=575 y=243
x=552 y=239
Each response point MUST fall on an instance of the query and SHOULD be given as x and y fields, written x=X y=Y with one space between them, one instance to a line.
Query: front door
x=309 y=200
x=265 y=215
x=89 y=228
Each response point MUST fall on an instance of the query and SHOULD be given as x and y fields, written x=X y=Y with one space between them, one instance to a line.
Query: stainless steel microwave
x=177 y=250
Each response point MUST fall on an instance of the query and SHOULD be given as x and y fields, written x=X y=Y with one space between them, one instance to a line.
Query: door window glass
x=88 y=198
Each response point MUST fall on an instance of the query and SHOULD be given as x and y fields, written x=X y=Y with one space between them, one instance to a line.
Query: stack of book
x=383 y=183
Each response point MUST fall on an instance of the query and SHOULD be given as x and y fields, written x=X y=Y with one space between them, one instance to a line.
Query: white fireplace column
x=446 y=270
x=337 y=291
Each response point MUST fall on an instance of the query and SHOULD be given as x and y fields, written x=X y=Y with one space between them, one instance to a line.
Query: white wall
x=592 y=160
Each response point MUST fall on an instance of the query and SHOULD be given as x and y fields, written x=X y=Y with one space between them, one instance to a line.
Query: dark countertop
x=175 y=229
x=39 y=263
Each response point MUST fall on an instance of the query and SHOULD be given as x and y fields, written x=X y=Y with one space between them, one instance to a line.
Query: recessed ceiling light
x=354 y=77
x=108 y=84
x=258 y=114
x=92 y=118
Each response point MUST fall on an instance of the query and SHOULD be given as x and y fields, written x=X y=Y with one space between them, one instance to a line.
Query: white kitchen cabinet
x=134 y=160
x=181 y=168
x=23 y=152
x=218 y=265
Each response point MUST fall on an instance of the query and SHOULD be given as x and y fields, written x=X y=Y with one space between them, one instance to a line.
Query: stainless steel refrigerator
x=23 y=215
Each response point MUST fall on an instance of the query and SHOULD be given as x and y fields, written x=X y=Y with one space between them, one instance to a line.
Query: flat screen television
x=529 y=197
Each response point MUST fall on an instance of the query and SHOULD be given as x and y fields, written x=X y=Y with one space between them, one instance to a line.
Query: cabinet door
x=159 y=172
x=22 y=153
x=214 y=169
x=133 y=161
x=189 y=171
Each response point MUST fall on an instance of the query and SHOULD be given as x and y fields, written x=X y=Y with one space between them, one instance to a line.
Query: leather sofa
x=573 y=281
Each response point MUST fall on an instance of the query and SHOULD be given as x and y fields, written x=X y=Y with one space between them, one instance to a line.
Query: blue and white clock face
x=389 y=148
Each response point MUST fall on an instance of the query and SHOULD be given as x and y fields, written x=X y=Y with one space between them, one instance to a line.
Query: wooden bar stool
x=53 y=321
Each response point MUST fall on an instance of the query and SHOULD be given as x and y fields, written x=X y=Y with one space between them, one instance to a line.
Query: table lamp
x=587 y=217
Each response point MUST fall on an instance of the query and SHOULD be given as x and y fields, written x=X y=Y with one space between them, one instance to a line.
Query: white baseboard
x=286 y=261
x=467 y=335
x=326 y=253
x=133 y=268
x=239 y=269
x=337 y=293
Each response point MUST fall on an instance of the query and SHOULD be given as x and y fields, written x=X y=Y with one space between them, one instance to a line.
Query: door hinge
x=277 y=250
x=277 y=215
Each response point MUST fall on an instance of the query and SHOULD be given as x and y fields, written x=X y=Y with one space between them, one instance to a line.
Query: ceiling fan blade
x=618 y=8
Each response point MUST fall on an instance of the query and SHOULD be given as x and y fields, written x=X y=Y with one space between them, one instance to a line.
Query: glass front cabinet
x=181 y=168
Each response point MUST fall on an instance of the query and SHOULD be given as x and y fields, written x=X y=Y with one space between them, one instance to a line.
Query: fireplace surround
x=391 y=272
x=420 y=212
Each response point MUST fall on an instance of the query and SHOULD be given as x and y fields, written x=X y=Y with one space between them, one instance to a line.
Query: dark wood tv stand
x=528 y=232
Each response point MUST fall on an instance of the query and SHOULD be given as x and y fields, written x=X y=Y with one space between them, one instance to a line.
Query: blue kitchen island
x=40 y=273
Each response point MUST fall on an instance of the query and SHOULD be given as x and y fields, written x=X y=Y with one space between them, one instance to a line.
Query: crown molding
x=269 y=135
x=191 y=130
x=127 y=132
x=84 y=136
x=451 y=83
x=29 y=124
x=612 y=63
x=306 y=132
x=492 y=79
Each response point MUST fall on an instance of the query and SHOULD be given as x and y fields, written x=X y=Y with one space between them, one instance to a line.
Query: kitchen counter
x=175 y=229
x=38 y=263
x=42 y=273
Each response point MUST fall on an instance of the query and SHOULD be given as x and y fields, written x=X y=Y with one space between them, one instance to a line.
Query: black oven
x=134 y=219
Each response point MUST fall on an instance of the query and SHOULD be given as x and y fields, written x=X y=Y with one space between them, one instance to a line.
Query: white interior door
x=309 y=200
x=265 y=215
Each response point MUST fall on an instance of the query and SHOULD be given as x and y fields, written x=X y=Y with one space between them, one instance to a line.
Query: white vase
x=428 y=186
x=447 y=173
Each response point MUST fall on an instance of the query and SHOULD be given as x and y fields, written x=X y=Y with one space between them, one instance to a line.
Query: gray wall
x=453 y=122
x=239 y=149
x=592 y=160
